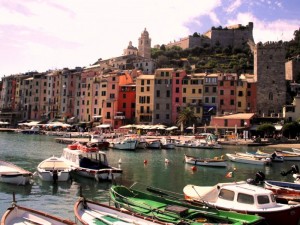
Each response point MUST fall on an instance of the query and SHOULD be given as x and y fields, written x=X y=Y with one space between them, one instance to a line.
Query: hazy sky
x=53 y=34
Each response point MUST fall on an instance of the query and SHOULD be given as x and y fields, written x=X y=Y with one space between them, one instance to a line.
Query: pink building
x=177 y=77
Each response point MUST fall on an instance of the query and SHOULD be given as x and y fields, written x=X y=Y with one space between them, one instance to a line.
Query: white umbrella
x=172 y=128
x=128 y=126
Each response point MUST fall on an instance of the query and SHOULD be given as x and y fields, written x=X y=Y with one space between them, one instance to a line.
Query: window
x=193 y=91
x=157 y=106
x=124 y=105
x=263 y=199
x=221 y=92
x=231 y=92
x=270 y=96
x=148 y=82
x=142 y=82
x=148 y=88
x=214 y=89
x=249 y=93
x=158 y=93
x=168 y=94
x=206 y=100
x=199 y=91
x=184 y=90
x=113 y=86
x=222 y=102
x=177 y=99
x=225 y=122
x=221 y=83
x=213 y=99
x=177 y=81
x=240 y=93
x=124 y=96
x=177 y=90
x=232 y=102
x=167 y=106
x=246 y=199
x=232 y=83
x=142 y=89
x=183 y=100
x=167 y=116
x=157 y=116
x=239 y=104
x=206 y=89
x=226 y=194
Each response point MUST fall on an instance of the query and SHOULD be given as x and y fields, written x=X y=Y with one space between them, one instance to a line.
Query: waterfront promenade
x=70 y=137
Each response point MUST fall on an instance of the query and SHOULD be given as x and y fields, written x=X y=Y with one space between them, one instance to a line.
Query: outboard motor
x=294 y=170
x=259 y=177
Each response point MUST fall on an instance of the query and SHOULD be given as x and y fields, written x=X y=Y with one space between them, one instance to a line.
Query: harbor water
x=27 y=151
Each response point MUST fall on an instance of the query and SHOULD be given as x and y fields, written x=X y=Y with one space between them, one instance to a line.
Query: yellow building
x=145 y=99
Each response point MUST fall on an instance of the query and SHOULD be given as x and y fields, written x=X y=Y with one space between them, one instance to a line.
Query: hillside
x=215 y=58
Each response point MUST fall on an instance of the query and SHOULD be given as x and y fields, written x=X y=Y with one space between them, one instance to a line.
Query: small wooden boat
x=215 y=162
x=244 y=198
x=245 y=158
x=284 y=191
x=12 y=174
x=54 y=169
x=17 y=215
x=174 y=211
x=89 y=212
x=296 y=150
x=272 y=156
x=288 y=156
x=92 y=164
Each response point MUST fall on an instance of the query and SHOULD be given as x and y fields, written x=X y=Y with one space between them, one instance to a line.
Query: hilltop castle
x=235 y=36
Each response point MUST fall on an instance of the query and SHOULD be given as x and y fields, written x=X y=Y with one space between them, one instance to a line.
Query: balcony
x=119 y=116
x=149 y=112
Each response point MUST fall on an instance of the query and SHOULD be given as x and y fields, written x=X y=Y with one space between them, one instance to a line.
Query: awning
x=278 y=127
x=97 y=116
x=104 y=126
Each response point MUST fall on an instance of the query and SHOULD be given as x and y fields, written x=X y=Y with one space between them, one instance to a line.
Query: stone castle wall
x=235 y=36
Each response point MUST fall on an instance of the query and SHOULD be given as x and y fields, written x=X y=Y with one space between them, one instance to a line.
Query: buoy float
x=145 y=161
x=194 y=168
x=167 y=161
x=120 y=161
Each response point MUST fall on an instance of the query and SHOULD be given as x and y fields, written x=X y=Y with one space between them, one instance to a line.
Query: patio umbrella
x=172 y=128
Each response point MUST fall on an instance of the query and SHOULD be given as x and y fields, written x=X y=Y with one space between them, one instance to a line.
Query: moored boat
x=296 y=150
x=125 y=144
x=17 y=215
x=245 y=158
x=13 y=174
x=288 y=156
x=99 y=141
x=92 y=164
x=154 y=144
x=272 y=156
x=168 y=143
x=54 y=169
x=174 y=211
x=214 y=162
x=244 y=198
x=284 y=191
x=89 y=212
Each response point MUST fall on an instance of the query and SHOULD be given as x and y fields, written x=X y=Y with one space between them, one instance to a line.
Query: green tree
x=291 y=130
x=186 y=117
x=266 y=129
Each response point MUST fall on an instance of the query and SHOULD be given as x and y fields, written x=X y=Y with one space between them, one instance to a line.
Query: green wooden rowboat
x=175 y=211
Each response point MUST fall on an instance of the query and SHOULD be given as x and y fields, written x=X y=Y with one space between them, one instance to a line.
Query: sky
x=41 y=35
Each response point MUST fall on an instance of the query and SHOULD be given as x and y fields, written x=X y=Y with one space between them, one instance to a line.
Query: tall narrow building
x=144 y=48
x=269 y=73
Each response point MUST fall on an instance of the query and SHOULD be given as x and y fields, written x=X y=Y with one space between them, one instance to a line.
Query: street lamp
x=245 y=133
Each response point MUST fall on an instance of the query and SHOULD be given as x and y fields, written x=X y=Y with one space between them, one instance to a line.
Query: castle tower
x=269 y=73
x=144 y=47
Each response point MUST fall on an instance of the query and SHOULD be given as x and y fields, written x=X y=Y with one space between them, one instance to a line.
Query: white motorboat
x=91 y=164
x=17 y=215
x=89 y=212
x=125 y=144
x=248 y=159
x=54 y=169
x=99 y=141
x=214 y=162
x=168 y=143
x=154 y=144
x=244 y=198
x=12 y=174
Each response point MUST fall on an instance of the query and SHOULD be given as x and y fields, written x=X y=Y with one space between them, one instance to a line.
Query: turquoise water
x=28 y=151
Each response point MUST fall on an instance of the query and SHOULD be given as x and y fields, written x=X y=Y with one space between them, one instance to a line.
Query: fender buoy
x=194 y=168
x=145 y=161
